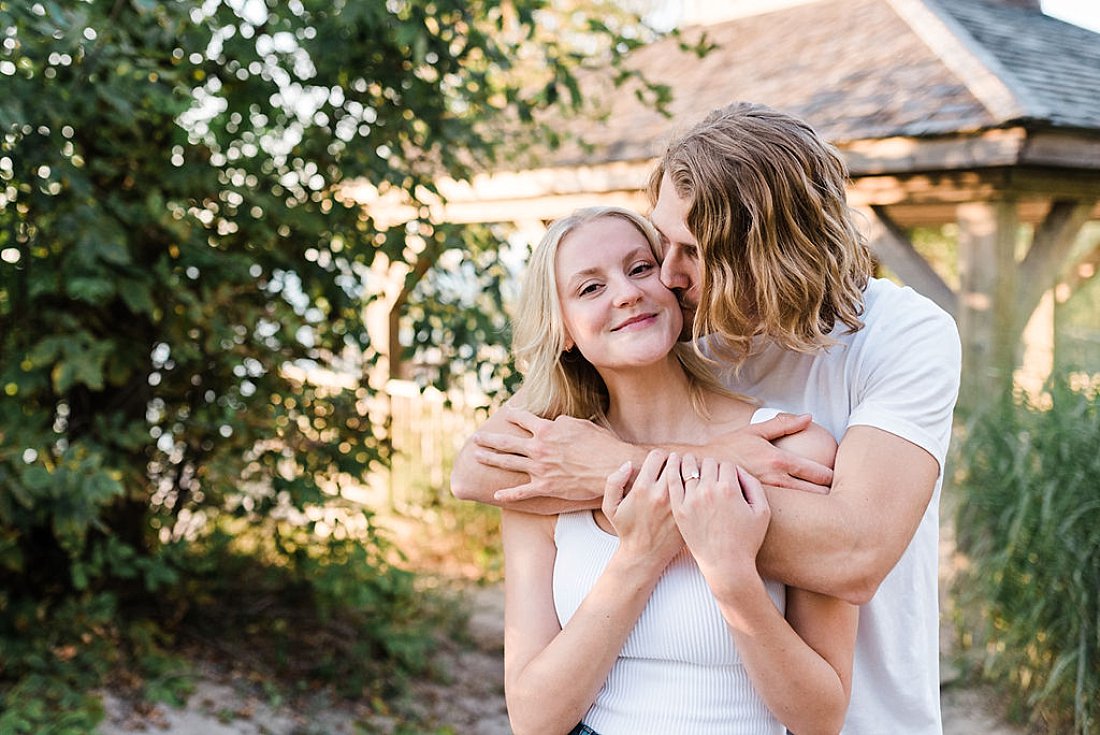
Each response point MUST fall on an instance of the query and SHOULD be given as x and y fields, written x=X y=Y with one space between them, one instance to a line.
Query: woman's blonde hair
x=557 y=382
x=779 y=253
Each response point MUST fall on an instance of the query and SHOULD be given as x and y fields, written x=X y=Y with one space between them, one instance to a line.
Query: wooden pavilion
x=984 y=114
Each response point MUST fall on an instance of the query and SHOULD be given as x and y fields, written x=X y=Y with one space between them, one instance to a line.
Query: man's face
x=680 y=252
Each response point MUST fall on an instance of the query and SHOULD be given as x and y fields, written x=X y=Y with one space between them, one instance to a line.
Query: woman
x=648 y=616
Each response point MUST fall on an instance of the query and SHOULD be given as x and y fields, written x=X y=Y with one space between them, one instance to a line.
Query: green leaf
x=37 y=478
x=84 y=368
x=11 y=555
x=90 y=289
x=137 y=296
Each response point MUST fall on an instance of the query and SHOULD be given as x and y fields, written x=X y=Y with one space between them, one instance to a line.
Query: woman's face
x=616 y=310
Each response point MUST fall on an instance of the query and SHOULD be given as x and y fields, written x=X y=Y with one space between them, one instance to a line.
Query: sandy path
x=469 y=699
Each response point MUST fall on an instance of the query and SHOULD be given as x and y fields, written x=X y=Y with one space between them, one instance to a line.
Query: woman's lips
x=635 y=320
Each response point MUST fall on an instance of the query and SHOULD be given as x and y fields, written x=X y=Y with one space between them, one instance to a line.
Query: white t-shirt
x=900 y=373
x=679 y=670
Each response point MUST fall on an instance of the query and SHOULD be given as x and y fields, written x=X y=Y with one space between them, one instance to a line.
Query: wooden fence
x=426 y=430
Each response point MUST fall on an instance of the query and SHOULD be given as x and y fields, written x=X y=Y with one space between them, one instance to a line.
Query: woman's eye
x=642 y=267
x=588 y=288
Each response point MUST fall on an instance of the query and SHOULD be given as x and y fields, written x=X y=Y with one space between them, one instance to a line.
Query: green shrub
x=1029 y=521
x=185 y=353
x=330 y=611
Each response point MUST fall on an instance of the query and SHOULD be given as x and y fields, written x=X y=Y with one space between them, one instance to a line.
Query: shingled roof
x=1053 y=67
x=868 y=69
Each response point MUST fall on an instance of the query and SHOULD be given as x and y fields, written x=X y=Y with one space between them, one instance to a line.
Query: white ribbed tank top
x=679 y=671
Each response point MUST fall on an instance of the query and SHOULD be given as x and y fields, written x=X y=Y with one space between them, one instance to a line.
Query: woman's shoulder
x=728 y=412
x=814 y=442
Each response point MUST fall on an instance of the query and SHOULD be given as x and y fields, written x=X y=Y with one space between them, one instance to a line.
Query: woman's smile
x=640 y=321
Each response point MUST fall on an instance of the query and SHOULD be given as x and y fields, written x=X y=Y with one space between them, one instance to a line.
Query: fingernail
x=624 y=466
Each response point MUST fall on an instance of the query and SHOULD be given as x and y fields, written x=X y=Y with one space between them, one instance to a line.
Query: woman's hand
x=643 y=518
x=722 y=514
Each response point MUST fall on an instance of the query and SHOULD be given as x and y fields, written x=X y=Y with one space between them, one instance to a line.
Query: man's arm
x=544 y=467
x=845 y=543
x=527 y=463
x=904 y=382
x=842 y=544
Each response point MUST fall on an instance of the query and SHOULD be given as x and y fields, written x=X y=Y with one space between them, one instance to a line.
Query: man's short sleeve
x=908 y=373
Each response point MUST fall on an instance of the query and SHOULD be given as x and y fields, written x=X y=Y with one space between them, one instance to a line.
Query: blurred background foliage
x=179 y=264
x=1029 y=595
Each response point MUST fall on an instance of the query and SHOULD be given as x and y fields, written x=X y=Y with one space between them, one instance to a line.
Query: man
x=775 y=281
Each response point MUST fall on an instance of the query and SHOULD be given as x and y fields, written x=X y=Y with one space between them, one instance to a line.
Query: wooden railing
x=426 y=429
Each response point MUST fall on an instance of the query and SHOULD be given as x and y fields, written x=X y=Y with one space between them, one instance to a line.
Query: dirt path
x=468 y=701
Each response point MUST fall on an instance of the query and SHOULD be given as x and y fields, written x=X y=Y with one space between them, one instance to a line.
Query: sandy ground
x=467 y=697
x=468 y=700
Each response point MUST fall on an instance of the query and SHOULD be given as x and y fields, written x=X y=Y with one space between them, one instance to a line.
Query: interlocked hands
x=717 y=509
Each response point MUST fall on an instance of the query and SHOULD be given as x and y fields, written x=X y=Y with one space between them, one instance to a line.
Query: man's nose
x=672 y=272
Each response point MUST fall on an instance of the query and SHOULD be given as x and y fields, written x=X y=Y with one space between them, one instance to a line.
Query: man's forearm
x=811 y=544
x=480 y=483
x=574 y=481
x=472 y=480
x=845 y=543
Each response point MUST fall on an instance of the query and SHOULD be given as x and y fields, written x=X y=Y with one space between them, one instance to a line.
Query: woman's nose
x=626 y=292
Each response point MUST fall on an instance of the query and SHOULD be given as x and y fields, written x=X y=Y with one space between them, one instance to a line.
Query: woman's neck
x=652 y=404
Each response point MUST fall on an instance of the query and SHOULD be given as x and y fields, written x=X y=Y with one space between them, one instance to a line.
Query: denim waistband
x=583 y=729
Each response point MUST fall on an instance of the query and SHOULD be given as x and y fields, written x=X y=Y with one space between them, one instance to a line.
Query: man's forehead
x=669 y=213
x=671 y=228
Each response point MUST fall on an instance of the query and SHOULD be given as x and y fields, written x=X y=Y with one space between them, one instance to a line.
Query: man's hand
x=753 y=447
x=546 y=451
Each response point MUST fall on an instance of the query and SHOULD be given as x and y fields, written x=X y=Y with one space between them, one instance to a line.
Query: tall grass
x=1029 y=523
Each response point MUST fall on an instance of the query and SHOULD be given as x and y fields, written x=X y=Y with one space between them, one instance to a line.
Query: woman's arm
x=573 y=662
x=801 y=665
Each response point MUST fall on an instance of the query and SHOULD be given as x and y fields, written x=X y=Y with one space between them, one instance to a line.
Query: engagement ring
x=693 y=476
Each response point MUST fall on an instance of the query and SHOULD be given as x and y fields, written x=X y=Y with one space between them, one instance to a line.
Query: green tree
x=177 y=258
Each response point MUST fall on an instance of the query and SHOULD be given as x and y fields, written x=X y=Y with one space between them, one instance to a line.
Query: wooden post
x=987 y=274
x=889 y=243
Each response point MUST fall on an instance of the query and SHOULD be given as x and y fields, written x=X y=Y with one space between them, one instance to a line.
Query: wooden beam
x=890 y=245
x=950 y=187
x=1050 y=182
x=1046 y=258
x=955 y=187
x=1063 y=149
x=908 y=155
x=1028 y=211
x=548 y=207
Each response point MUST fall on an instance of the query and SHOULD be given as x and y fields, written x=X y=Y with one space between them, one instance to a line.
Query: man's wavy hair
x=557 y=382
x=779 y=253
